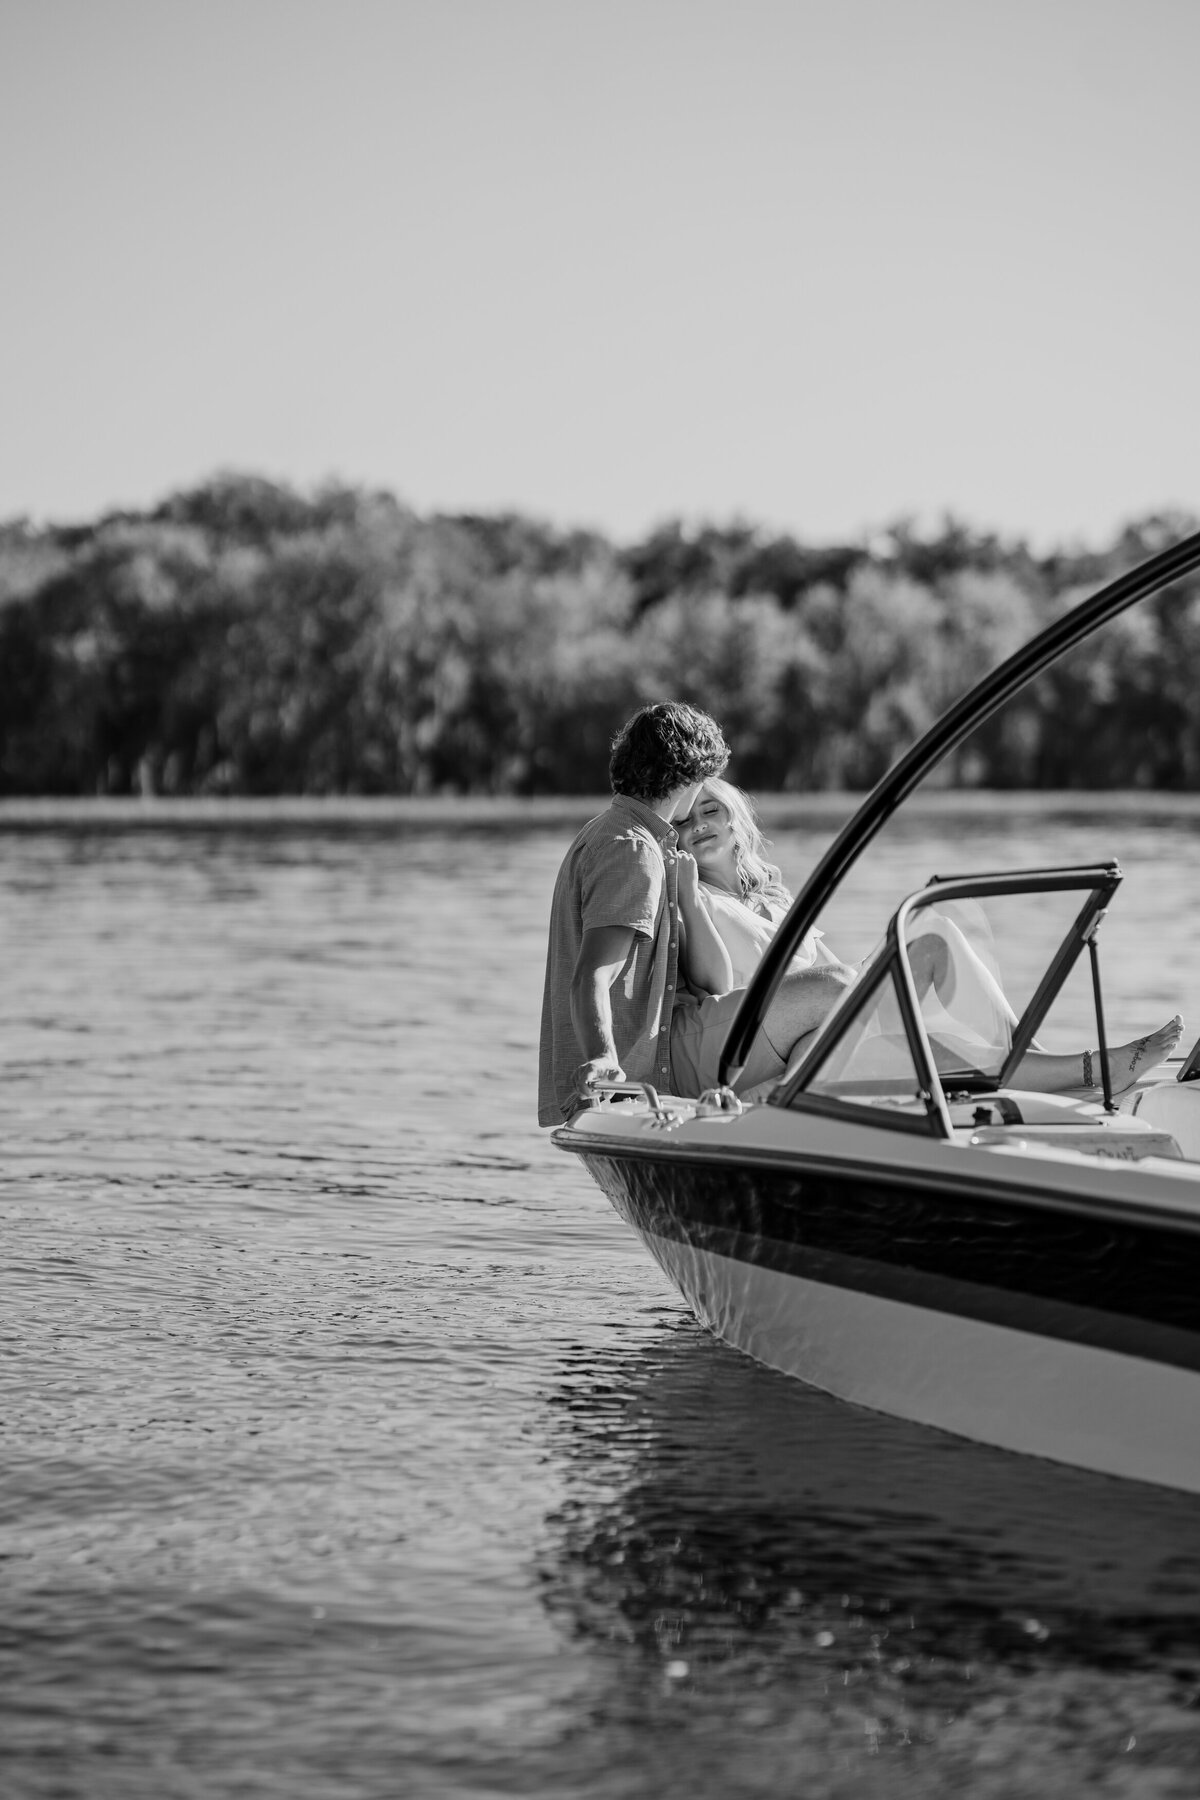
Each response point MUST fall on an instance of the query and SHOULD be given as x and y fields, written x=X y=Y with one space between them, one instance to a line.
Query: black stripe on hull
x=1109 y=1283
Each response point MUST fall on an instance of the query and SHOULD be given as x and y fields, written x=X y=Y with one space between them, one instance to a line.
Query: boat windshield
x=977 y=965
x=985 y=957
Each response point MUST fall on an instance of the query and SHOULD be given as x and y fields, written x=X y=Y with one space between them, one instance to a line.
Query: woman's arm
x=703 y=958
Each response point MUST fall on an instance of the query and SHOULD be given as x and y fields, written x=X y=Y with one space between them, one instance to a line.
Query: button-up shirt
x=615 y=873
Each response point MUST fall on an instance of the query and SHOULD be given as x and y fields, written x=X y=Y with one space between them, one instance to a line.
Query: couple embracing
x=662 y=909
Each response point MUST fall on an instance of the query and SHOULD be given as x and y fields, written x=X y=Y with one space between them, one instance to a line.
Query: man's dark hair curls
x=663 y=747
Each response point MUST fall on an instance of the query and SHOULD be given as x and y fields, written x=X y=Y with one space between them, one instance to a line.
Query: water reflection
x=837 y=1577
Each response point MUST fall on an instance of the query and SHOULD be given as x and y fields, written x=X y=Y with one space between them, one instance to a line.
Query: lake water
x=352 y=1447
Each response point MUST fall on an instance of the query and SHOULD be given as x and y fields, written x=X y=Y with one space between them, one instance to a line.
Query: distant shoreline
x=551 y=811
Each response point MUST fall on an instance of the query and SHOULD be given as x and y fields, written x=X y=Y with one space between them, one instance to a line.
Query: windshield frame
x=1097 y=882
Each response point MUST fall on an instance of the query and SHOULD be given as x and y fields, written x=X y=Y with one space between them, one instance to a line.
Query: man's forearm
x=602 y=956
x=591 y=1015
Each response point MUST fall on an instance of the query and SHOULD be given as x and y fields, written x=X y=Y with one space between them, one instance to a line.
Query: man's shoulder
x=613 y=873
x=617 y=830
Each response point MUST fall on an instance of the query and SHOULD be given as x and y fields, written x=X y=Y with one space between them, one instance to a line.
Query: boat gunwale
x=985 y=1184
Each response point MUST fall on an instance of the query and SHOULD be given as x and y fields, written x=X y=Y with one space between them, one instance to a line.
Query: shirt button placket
x=664 y=1067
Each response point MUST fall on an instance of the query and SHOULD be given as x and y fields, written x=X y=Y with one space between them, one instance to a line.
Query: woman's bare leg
x=1045 y=1073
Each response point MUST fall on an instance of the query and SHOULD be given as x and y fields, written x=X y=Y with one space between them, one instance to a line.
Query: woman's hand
x=689 y=879
x=704 y=961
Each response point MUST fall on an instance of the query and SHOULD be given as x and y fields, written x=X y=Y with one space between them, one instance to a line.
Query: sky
x=818 y=266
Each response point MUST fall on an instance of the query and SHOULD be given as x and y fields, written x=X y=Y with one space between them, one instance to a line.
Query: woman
x=745 y=896
x=743 y=892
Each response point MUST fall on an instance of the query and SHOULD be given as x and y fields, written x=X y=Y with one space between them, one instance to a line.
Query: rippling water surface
x=352 y=1447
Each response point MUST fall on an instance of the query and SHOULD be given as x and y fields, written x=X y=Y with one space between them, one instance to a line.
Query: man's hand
x=597 y=1068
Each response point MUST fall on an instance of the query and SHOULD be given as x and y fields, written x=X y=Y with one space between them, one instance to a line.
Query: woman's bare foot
x=1129 y=1062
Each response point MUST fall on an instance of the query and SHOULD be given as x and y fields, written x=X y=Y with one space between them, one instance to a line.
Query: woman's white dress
x=977 y=1033
x=746 y=932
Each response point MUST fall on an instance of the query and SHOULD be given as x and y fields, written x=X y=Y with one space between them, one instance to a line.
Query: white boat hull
x=1093 y=1408
x=1007 y=1289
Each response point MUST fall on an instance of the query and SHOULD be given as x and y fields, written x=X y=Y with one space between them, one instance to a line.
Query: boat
x=901 y=1223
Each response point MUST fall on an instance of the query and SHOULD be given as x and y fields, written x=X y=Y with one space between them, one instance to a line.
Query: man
x=631 y=993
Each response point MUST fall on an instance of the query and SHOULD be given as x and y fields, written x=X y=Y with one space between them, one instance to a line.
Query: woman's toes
x=1145 y=1053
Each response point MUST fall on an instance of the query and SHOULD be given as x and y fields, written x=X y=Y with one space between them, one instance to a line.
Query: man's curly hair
x=663 y=747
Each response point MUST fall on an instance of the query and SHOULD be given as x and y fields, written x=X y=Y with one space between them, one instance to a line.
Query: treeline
x=242 y=638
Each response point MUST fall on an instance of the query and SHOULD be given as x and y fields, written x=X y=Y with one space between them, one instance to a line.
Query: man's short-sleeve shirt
x=615 y=873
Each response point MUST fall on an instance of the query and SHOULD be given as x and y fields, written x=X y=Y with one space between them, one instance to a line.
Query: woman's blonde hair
x=759 y=878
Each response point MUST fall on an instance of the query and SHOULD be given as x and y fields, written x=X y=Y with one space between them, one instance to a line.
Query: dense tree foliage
x=243 y=638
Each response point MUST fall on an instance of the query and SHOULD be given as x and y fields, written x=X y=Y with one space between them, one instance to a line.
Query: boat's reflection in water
x=723 y=1521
